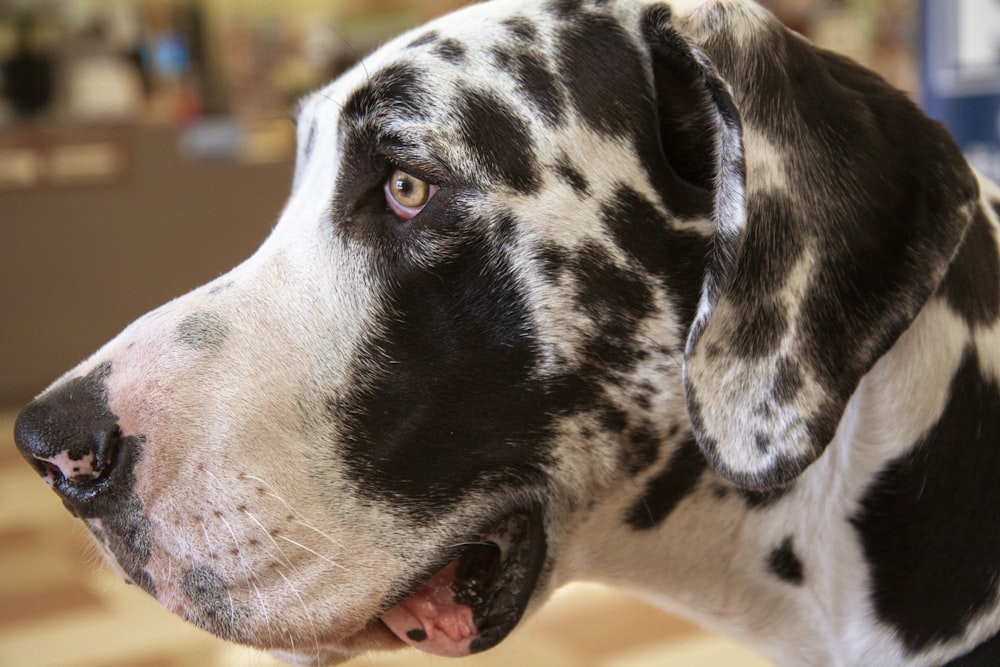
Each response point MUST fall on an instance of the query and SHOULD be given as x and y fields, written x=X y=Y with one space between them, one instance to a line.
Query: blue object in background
x=166 y=55
x=960 y=72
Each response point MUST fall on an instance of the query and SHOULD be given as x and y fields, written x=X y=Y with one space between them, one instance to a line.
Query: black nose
x=72 y=439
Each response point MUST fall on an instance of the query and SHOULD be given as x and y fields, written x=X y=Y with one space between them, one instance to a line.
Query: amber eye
x=406 y=194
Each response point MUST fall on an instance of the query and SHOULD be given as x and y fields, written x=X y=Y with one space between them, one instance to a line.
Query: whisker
x=263 y=606
x=469 y=544
x=277 y=546
x=317 y=554
x=204 y=531
x=236 y=544
x=232 y=614
x=309 y=614
x=313 y=528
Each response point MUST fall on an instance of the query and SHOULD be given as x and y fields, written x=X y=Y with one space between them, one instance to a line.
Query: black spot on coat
x=565 y=8
x=665 y=491
x=616 y=299
x=450 y=50
x=212 y=605
x=640 y=447
x=784 y=563
x=397 y=88
x=453 y=404
x=205 y=332
x=429 y=37
x=521 y=28
x=788 y=381
x=569 y=173
x=972 y=284
x=499 y=139
x=603 y=71
x=310 y=145
x=928 y=523
x=535 y=82
x=676 y=256
x=761 y=500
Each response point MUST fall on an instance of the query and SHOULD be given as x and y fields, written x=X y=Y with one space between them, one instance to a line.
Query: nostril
x=74 y=464
x=71 y=438
x=49 y=471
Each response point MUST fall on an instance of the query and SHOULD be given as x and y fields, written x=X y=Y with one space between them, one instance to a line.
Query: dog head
x=530 y=248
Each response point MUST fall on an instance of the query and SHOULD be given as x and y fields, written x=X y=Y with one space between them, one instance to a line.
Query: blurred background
x=146 y=147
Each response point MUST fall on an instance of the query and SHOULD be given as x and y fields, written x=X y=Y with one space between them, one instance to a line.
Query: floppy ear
x=837 y=208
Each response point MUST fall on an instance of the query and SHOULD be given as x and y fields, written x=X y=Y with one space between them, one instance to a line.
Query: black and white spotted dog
x=652 y=294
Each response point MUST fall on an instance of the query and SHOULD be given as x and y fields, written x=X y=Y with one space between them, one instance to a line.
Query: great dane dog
x=655 y=294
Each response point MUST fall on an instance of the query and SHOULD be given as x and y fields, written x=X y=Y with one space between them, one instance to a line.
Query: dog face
x=527 y=254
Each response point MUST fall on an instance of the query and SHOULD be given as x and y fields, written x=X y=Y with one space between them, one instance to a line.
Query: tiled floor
x=59 y=607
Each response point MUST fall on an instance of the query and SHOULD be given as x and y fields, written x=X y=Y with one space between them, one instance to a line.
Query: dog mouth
x=476 y=599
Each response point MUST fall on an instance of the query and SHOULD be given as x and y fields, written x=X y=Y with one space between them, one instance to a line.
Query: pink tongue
x=431 y=620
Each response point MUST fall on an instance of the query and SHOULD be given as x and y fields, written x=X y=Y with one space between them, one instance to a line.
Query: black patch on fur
x=499 y=139
x=204 y=331
x=553 y=260
x=665 y=491
x=535 y=82
x=310 y=144
x=565 y=8
x=521 y=28
x=788 y=381
x=428 y=37
x=766 y=258
x=640 y=447
x=972 y=284
x=604 y=73
x=760 y=330
x=451 y=403
x=219 y=289
x=398 y=89
x=572 y=175
x=212 y=606
x=75 y=418
x=616 y=299
x=450 y=50
x=761 y=500
x=613 y=419
x=785 y=564
x=928 y=524
x=677 y=257
x=984 y=655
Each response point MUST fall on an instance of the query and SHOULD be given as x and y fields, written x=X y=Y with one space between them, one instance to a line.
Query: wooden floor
x=60 y=607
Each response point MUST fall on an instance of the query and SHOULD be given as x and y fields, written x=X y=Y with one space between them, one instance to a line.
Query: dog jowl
x=562 y=290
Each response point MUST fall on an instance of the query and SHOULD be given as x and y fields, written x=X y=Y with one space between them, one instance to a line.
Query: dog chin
x=375 y=637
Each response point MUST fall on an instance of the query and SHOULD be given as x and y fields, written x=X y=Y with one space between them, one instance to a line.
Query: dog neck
x=786 y=572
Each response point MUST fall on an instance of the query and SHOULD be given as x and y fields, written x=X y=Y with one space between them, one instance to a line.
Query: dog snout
x=73 y=442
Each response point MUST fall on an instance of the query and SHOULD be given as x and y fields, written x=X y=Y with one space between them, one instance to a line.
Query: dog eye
x=406 y=194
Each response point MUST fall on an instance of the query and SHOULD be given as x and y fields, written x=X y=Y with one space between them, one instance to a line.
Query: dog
x=649 y=293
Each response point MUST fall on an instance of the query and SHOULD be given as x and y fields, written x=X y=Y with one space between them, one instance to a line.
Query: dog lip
x=479 y=595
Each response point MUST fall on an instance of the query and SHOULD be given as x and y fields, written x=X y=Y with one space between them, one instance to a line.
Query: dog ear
x=838 y=207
